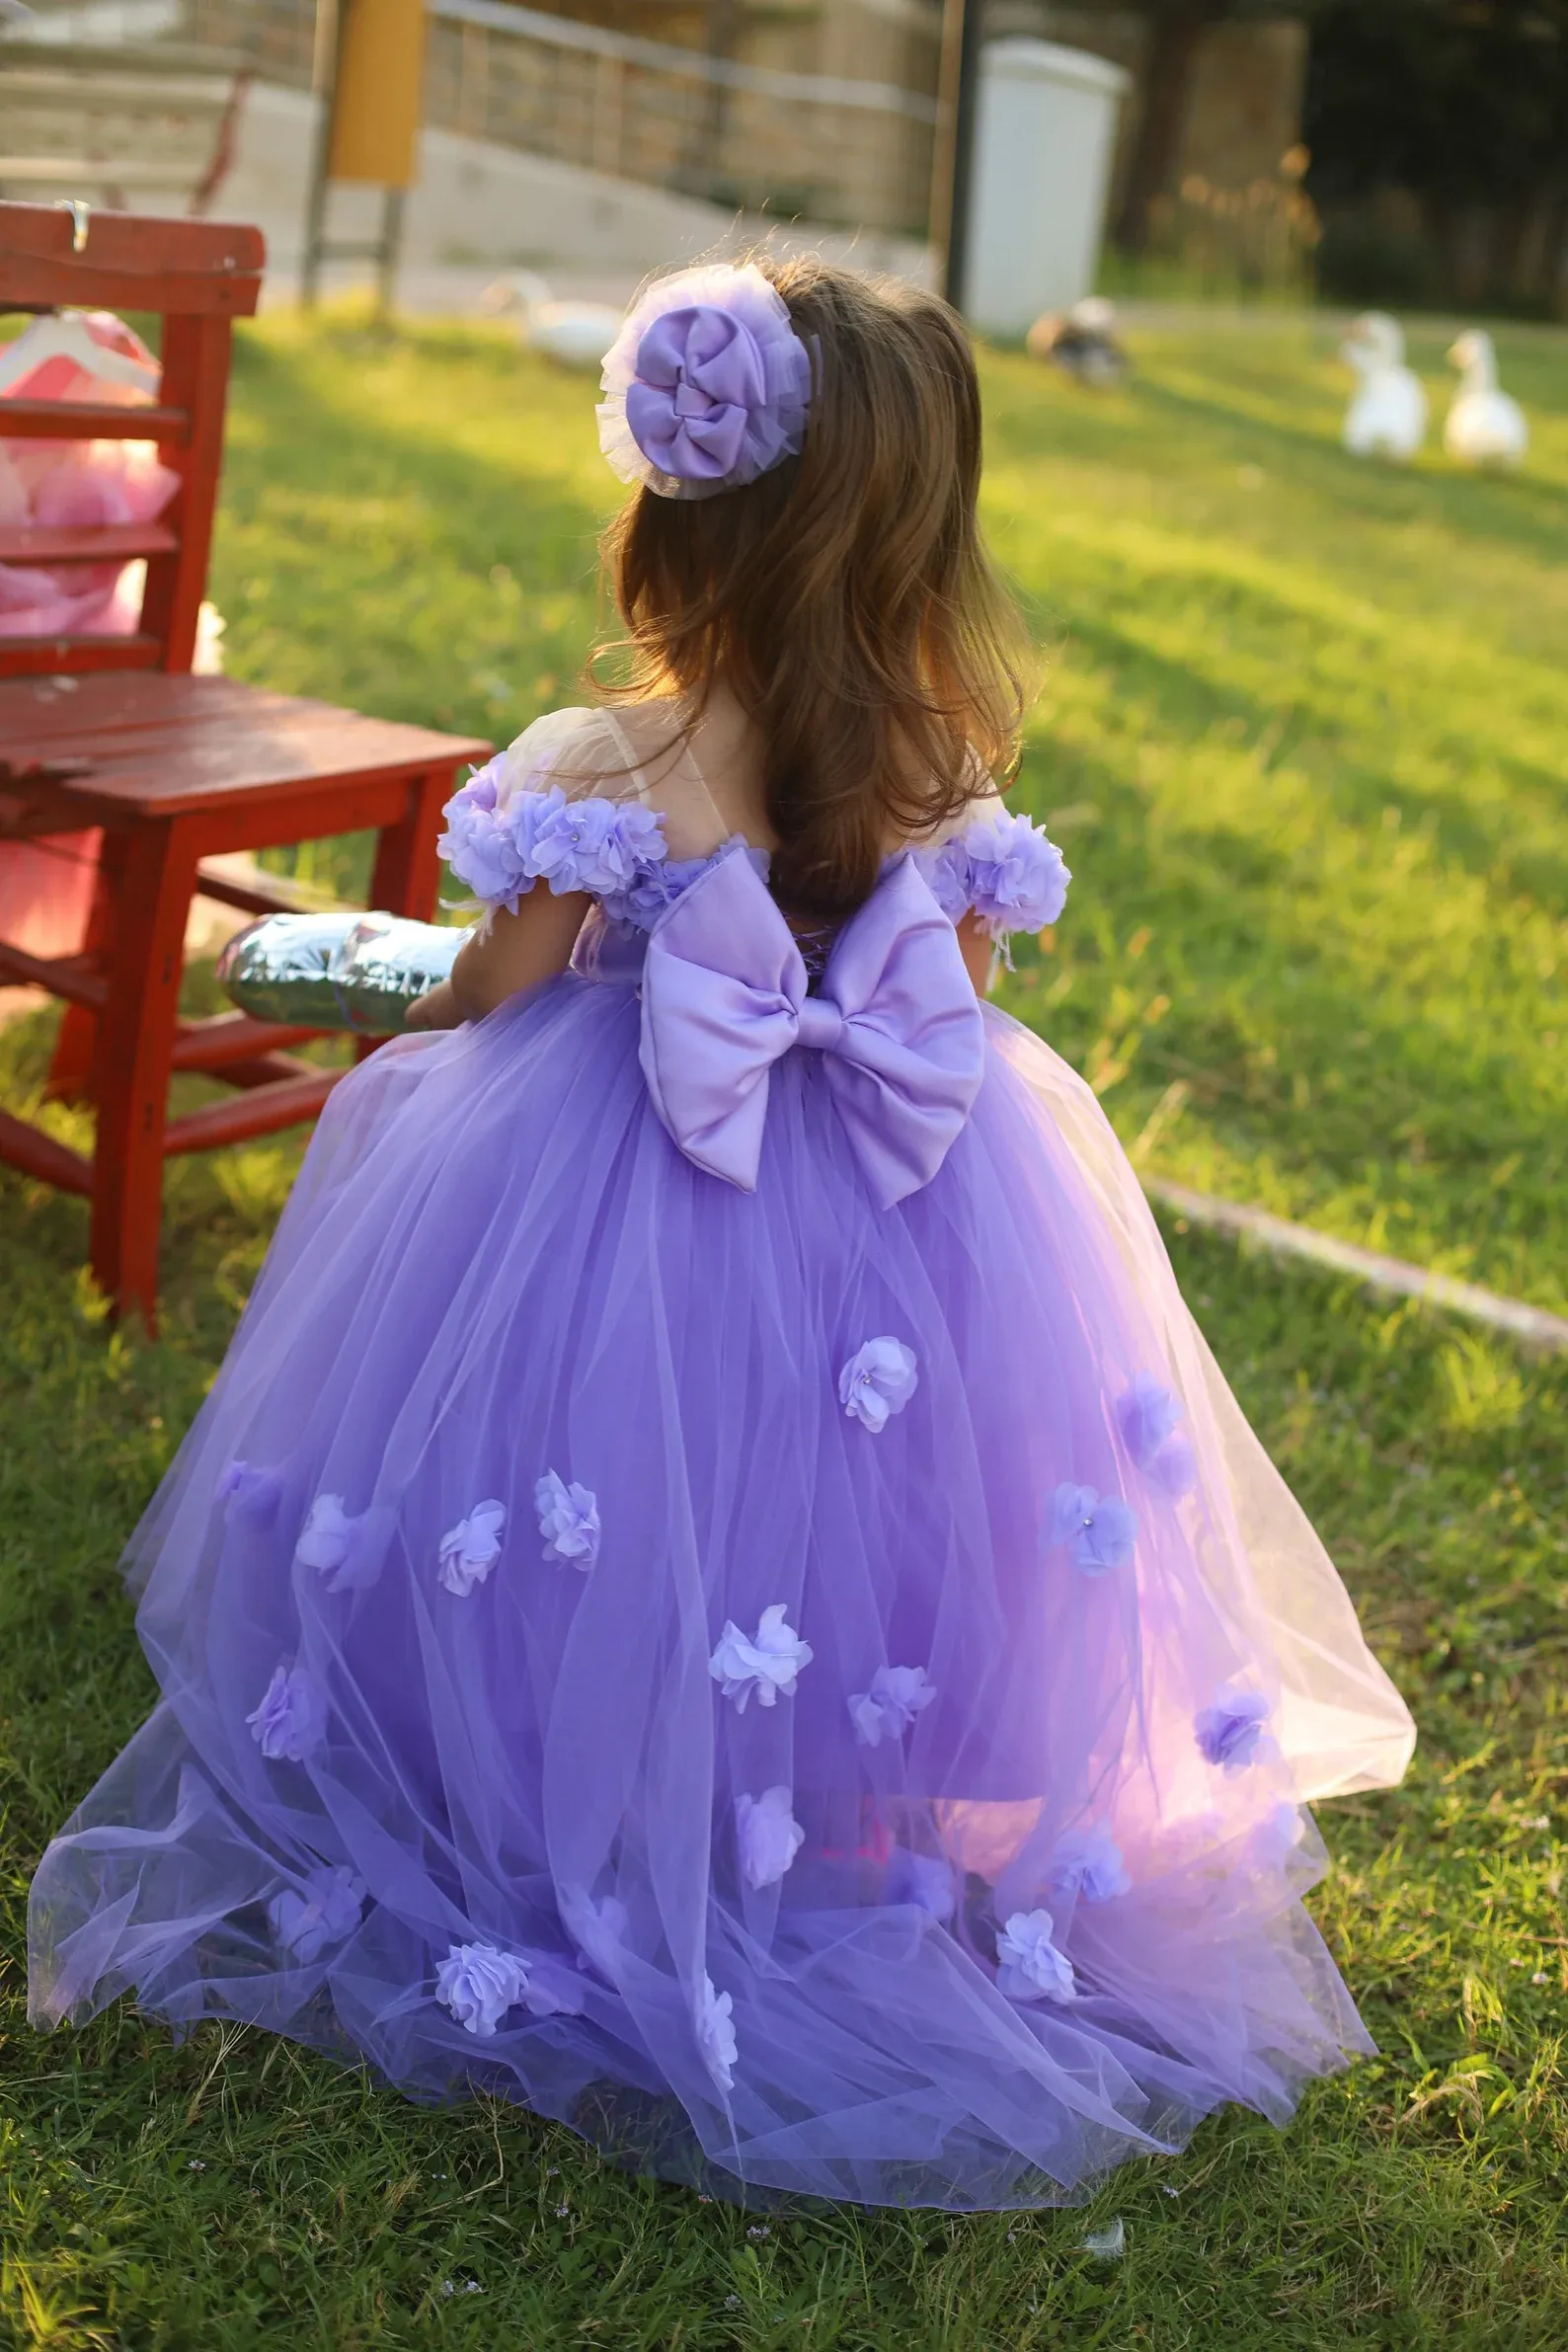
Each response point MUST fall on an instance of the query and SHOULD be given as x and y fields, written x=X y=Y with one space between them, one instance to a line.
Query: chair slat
x=108 y=543
x=48 y=657
x=90 y=420
x=28 y=1147
x=238 y=1116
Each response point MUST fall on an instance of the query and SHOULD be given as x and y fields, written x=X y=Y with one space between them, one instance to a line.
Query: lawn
x=1302 y=736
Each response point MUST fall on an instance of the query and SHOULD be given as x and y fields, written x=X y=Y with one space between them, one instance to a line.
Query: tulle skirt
x=565 y=1695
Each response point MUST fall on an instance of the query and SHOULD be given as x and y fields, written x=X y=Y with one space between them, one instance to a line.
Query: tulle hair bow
x=707 y=384
x=725 y=996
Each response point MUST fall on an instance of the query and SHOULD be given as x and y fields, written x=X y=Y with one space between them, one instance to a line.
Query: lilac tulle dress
x=719 y=1593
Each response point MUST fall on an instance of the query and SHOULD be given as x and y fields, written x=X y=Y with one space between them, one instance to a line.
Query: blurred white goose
x=1484 y=427
x=577 y=333
x=1388 y=416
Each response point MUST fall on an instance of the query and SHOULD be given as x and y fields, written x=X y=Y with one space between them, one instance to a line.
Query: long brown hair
x=845 y=599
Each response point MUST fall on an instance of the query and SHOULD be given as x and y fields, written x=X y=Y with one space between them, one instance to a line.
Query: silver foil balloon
x=353 y=972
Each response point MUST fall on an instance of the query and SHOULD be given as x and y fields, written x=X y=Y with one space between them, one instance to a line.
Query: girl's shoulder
x=585 y=799
x=586 y=752
x=996 y=863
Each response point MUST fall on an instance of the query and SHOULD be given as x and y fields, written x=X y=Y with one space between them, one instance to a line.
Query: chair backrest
x=197 y=276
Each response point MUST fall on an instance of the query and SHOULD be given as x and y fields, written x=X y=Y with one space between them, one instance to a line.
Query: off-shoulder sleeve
x=559 y=806
x=1000 y=867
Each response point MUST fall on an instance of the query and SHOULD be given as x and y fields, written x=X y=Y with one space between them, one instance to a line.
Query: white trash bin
x=1045 y=133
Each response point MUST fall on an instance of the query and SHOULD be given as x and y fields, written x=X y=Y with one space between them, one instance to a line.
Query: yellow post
x=371 y=55
x=375 y=114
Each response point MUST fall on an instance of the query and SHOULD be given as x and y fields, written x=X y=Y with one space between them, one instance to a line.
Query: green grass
x=1302 y=740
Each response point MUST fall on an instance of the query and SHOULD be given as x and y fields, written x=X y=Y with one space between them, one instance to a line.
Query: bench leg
x=404 y=878
x=70 y=1078
x=135 y=1041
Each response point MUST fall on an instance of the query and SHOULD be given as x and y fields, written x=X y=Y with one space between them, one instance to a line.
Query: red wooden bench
x=114 y=732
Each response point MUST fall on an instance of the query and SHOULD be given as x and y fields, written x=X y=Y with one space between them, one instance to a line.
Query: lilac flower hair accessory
x=707 y=384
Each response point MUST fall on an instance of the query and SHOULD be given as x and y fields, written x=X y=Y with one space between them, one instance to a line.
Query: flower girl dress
x=719 y=1593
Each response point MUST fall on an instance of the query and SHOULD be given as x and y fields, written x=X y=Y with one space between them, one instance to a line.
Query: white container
x=1045 y=133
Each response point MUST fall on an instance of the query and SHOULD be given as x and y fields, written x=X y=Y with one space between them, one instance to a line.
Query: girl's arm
x=521 y=950
x=978 y=950
x=517 y=952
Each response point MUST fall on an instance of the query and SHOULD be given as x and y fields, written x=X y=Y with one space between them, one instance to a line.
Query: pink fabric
x=82 y=486
x=47 y=887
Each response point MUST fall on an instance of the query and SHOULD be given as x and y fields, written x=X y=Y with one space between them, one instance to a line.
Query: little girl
x=720 y=1594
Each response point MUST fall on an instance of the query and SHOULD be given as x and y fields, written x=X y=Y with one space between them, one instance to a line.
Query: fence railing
x=793 y=144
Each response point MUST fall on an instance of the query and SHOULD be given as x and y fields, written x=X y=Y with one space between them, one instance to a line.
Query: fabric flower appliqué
x=923 y=1879
x=329 y=1543
x=1088 y=1862
x=767 y=1664
x=716 y=2034
x=291 y=1721
x=1228 y=1733
x=478 y=843
x=602 y=846
x=248 y=1493
x=479 y=1984
x=878 y=1382
x=706 y=384
x=470 y=1550
x=1029 y=1967
x=1099 y=1530
x=1005 y=870
x=769 y=1837
x=1148 y=1415
x=568 y=1521
x=885 y=1711
x=330 y=1909
x=599 y=1930
x=597 y=845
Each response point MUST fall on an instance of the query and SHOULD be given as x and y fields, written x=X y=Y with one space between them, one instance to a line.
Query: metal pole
x=330 y=18
x=391 y=247
x=966 y=87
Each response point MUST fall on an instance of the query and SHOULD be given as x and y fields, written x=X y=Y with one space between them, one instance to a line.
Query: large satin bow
x=896 y=1021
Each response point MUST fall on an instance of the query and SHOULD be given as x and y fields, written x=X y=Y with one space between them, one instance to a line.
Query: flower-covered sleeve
x=1002 y=869
x=559 y=806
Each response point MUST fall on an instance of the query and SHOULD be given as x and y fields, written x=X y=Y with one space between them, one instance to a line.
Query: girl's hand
x=438 y=1008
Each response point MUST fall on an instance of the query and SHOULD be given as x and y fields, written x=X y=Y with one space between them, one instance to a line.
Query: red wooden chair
x=114 y=732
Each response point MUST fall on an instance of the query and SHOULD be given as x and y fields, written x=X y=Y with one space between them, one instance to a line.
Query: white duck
x=1484 y=427
x=1387 y=417
x=577 y=333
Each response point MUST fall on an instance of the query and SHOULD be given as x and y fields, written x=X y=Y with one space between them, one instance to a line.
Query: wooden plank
x=107 y=543
x=97 y=718
x=90 y=420
x=119 y=700
x=251 y=902
x=196 y=377
x=226 y=1038
x=131 y=261
x=48 y=657
x=241 y=1116
x=73 y=978
x=29 y=1148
